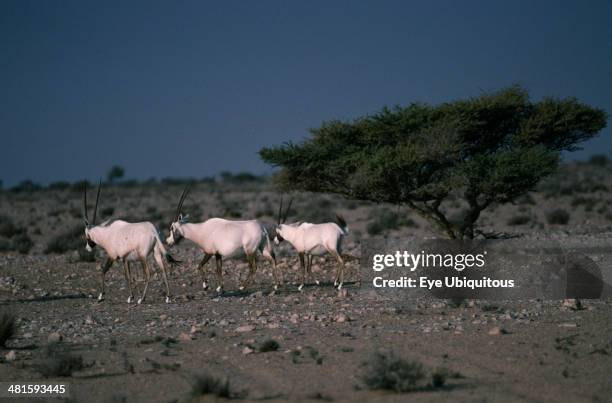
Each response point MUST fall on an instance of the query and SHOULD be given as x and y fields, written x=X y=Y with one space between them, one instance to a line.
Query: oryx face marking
x=176 y=234
x=89 y=244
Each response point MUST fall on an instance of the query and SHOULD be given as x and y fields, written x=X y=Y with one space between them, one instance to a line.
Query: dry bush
x=558 y=217
x=7 y=328
x=385 y=371
x=269 y=345
x=206 y=384
x=519 y=220
x=60 y=363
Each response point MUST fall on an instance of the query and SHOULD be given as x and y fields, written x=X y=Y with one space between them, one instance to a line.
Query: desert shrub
x=599 y=160
x=60 y=363
x=78 y=186
x=519 y=220
x=22 y=243
x=72 y=239
x=206 y=384
x=526 y=199
x=59 y=185
x=26 y=186
x=7 y=328
x=558 y=217
x=107 y=211
x=7 y=227
x=383 y=220
x=5 y=245
x=387 y=372
x=269 y=345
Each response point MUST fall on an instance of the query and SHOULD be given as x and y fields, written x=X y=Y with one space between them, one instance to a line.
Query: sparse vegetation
x=269 y=345
x=558 y=217
x=71 y=240
x=519 y=220
x=116 y=172
x=206 y=384
x=385 y=371
x=60 y=363
x=7 y=328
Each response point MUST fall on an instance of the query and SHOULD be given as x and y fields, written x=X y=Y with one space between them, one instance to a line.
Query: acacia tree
x=483 y=150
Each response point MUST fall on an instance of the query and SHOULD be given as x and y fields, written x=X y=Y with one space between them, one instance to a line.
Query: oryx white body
x=226 y=239
x=129 y=242
x=315 y=240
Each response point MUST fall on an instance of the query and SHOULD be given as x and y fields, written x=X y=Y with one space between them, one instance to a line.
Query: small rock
x=342 y=293
x=184 y=336
x=163 y=317
x=89 y=320
x=573 y=304
x=247 y=350
x=496 y=331
x=294 y=318
x=245 y=328
x=341 y=318
x=10 y=356
x=568 y=325
x=54 y=337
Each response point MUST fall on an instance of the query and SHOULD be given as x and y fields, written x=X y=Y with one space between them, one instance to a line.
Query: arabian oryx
x=313 y=240
x=224 y=239
x=126 y=242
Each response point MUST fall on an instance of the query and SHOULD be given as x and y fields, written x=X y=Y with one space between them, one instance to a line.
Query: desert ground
x=287 y=345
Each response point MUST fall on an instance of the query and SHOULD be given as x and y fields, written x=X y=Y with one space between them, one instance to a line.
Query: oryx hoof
x=140 y=301
x=335 y=284
x=101 y=297
x=219 y=289
x=241 y=288
x=300 y=287
x=317 y=282
x=205 y=286
x=340 y=286
x=275 y=287
x=167 y=299
x=129 y=300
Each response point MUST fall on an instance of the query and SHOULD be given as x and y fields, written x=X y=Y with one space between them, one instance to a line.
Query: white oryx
x=126 y=242
x=224 y=239
x=313 y=240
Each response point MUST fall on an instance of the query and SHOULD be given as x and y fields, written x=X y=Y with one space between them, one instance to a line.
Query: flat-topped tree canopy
x=485 y=149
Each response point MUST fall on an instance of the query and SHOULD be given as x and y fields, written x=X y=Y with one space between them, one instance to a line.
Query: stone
x=245 y=328
x=54 y=337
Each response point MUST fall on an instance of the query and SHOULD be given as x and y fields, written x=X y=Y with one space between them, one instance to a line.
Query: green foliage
x=488 y=149
x=382 y=220
x=387 y=372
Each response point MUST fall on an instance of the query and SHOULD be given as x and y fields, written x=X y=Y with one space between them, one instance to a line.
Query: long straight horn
x=287 y=211
x=180 y=203
x=97 y=200
x=85 y=215
x=280 y=210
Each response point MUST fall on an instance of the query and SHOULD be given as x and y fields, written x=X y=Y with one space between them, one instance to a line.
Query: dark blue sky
x=181 y=88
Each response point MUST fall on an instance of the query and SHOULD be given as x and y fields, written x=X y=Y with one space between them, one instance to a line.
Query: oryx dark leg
x=128 y=278
x=309 y=270
x=340 y=271
x=252 y=269
x=103 y=269
x=303 y=267
x=219 y=264
x=147 y=275
x=201 y=269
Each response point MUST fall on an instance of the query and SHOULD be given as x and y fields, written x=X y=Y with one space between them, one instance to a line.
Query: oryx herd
x=224 y=239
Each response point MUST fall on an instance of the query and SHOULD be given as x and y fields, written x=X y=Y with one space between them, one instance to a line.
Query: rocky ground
x=318 y=344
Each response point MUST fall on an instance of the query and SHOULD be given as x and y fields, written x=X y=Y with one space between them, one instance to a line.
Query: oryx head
x=88 y=226
x=278 y=228
x=176 y=233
